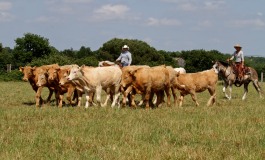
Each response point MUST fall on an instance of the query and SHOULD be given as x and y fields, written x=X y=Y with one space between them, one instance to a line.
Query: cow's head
x=53 y=73
x=75 y=72
x=127 y=76
x=41 y=75
x=27 y=71
x=63 y=75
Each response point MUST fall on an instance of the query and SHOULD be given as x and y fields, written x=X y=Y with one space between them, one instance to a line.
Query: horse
x=226 y=72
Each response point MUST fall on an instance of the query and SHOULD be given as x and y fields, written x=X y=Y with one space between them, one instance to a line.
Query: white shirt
x=238 y=56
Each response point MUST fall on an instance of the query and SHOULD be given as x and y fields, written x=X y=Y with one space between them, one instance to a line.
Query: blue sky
x=170 y=25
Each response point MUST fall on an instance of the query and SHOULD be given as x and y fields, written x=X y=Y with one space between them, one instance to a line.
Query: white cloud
x=205 y=23
x=5 y=6
x=260 y=14
x=109 y=11
x=213 y=5
x=188 y=6
x=77 y=1
x=5 y=16
x=248 y=23
x=163 y=22
x=195 y=5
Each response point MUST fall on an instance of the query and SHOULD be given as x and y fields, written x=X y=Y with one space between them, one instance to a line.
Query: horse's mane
x=226 y=64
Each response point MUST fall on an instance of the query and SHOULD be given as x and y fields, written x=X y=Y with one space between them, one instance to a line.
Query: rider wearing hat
x=125 y=57
x=238 y=55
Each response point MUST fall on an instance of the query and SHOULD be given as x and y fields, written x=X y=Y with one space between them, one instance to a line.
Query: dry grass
x=229 y=130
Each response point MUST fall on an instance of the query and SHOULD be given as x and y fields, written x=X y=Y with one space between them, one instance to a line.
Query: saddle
x=240 y=72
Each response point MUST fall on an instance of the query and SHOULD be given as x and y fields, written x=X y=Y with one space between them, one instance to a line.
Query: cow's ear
x=177 y=73
x=33 y=68
x=21 y=69
x=68 y=71
x=133 y=72
x=83 y=66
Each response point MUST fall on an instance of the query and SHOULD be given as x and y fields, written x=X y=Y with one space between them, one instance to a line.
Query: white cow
x=180 y=70
x=94 y=79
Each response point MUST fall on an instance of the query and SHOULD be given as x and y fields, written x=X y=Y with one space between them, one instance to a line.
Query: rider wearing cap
x=125 y=57
x=238 y=55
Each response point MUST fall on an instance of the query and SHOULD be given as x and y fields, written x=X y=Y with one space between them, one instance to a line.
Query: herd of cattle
x=118 y=83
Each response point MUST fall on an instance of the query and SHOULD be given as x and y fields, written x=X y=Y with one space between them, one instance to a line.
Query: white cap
x=125 y=46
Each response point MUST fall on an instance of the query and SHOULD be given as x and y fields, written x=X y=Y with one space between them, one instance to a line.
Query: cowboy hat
x=125 y=46
x=237 y=46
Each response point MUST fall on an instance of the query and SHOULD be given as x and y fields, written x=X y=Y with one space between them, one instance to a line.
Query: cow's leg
x=48 y=100
x=57 y=97
x=87 y=98
x=158 y=98
x=194 y=97
x=116 y=95
x=98 y=94
x=132 y=97
x=173 y=90
x=181 y=98
x=212 y=99
x=107 y=98
x=70 y=93
x=91 y=98
x=37 y=96
x=60 y=100
x=142 y=100
x=125 y=95
x=147 y=97
x=245 y=91
x=167 y=90
x=79 y=93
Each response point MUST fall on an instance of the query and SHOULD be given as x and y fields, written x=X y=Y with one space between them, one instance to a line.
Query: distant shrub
x=14 y=75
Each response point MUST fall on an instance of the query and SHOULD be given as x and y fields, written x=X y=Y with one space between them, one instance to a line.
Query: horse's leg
x=257 y=87
x=245 y=91
x=224 y=90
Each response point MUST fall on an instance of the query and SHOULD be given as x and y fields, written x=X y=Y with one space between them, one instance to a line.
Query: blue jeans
x=124 y=64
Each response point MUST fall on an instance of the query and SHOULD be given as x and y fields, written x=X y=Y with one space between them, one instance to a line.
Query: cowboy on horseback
x=238 y=67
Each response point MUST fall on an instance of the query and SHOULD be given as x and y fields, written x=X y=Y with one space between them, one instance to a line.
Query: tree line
x=35 y=50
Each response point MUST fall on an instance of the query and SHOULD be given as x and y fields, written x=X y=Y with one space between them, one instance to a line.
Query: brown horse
x=227 y=73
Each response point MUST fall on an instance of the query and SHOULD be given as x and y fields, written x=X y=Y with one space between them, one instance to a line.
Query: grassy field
x=229 y=130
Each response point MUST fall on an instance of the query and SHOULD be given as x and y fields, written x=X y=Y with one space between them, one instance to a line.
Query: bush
x=14 y=75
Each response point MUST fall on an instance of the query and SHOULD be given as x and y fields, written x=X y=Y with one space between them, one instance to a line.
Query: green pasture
x=228 y=130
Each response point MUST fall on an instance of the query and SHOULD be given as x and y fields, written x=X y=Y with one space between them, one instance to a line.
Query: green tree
x=84 y=52
x=5 y=58
x=29 y=47
x=142 y=53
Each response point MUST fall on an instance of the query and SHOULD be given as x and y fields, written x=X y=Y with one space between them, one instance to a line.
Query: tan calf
x=190 y=83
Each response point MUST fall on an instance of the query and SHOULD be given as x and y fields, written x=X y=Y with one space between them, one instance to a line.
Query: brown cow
x=41 y=76
x=32 y=79
x=147 y=81
x=63 y=80
x=55 y=73
x=126 y=83
x=190 y=83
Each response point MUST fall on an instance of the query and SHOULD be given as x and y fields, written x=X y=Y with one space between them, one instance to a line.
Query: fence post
x=8 y=67
x=261 y=77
